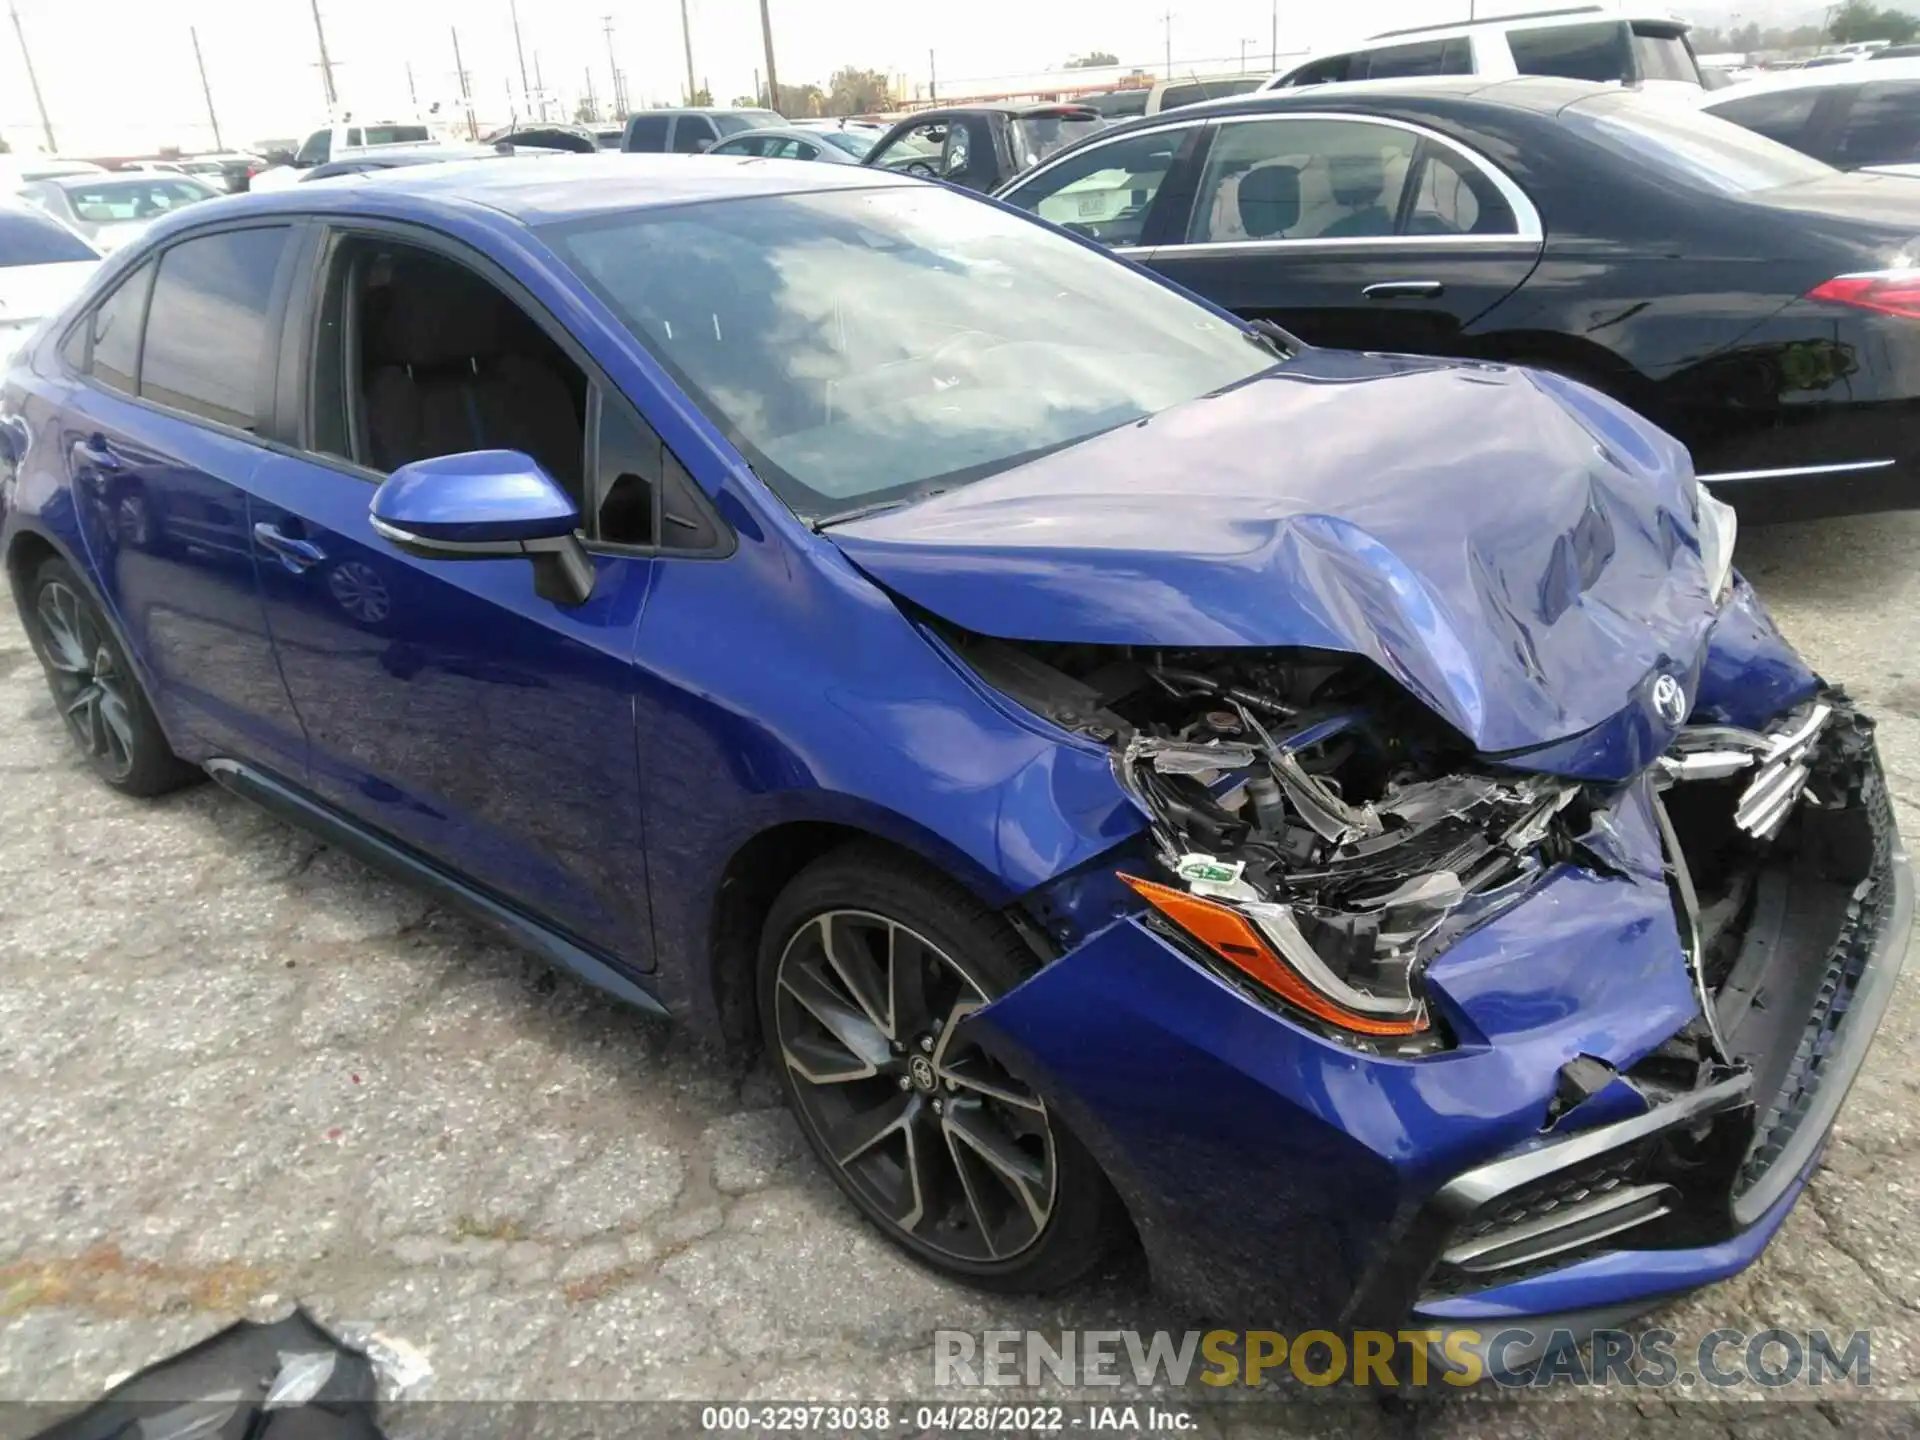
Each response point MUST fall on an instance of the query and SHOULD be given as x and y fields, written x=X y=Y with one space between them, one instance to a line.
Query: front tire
x=96 y=690
x=868 y=965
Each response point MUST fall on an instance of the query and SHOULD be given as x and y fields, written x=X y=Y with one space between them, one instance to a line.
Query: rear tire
x=98 y=693
x=867 y=963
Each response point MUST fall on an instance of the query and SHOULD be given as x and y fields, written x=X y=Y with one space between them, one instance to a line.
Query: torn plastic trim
x=1780 y=757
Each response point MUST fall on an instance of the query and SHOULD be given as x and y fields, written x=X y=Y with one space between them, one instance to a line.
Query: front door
x=160 y=482
x=1351 y=233
x=447 y=704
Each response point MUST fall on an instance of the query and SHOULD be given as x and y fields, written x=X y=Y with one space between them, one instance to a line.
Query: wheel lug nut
x=897 y=1047
x=938 y=1107
x=905 y=1083
x=926 y=1043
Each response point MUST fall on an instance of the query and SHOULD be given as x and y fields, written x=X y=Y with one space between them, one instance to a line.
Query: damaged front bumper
x=1644 y=1065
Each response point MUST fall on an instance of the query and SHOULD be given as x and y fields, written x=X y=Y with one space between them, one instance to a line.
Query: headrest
x=1269 y=201
x=433 y=314
x=1356 y=179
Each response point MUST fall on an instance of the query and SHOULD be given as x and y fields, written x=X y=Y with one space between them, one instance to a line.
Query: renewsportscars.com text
x=1650 y=1358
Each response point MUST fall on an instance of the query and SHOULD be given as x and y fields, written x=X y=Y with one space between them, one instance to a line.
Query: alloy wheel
x=88 y=686
x=936 y=1136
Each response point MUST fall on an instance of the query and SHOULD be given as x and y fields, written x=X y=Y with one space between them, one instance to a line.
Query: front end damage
x=1433 y=1036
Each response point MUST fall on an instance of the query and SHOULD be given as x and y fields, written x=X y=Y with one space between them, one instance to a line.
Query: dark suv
x=690 y=131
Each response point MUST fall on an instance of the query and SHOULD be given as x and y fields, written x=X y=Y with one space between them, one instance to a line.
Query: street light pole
x=46 y=125
x=206 y=89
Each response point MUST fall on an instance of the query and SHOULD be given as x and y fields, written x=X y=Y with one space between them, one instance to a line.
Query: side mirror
x=487 y=505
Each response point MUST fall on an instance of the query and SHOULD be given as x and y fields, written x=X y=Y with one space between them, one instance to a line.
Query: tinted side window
x=315 y=149
x=691 y=132
x=1430 y=57
x=1574 y=52
x=1331 y=70
x=397 y=135
x=115 y=356
x=1781 y=116
x=207 y=336
x=1301 y=180
x=1104 y=192
x=354 y=138
x=647 y=132
x=1884 y=126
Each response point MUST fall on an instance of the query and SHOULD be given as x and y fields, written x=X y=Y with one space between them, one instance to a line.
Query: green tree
x=702 y=96
x=856 y=92
x=799 y=102
x=1858 y=20
x=1093 y=60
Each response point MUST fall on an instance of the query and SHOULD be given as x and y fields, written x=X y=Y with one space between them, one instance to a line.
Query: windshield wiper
x=1281 y=341
x=876 y=507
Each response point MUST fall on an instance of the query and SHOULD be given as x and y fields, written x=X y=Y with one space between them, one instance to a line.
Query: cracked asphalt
x=238 y=1069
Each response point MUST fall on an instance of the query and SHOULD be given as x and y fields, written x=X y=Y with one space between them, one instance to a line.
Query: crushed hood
x=1515 y=549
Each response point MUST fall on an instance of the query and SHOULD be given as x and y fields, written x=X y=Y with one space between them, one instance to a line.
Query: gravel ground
x=236 y=1068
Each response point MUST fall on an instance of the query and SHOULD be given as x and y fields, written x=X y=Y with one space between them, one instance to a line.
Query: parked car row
x=1336 y=819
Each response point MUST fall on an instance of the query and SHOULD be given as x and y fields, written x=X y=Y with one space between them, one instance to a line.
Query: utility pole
x=933 y=78
x=326 y=62
x=513 y=9
x=1169 y=44
x=539 y=85
x=593 y=105
x=686 y=38
x=1276 y=36
x=206 y=89
x=766 y=39
x=413 y=95
x=613 y=66
x=46 y=125
x=460 y=69
x=1243 y=57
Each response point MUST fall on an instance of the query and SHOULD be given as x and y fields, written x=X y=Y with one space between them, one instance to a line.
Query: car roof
x=1528 y=19
x=95 y=177
x=1539 y=94
x=1017 y=109
x=566 y=187
x=1854 y=72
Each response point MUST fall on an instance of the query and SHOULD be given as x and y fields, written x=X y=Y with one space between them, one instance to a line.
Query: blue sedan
x=1343 y=815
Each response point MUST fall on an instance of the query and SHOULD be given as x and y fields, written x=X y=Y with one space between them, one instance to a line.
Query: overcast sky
x=120 y=75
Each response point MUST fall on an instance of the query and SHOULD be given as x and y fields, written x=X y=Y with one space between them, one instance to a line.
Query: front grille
x=1846 y=961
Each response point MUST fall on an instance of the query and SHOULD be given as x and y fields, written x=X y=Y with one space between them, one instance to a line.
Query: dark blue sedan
x=1341 y=814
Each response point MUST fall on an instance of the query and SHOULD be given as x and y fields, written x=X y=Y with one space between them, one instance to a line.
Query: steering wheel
x=960 y=340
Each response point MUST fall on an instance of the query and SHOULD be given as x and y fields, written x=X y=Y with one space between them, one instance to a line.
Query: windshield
x=865 y=345
x=1037 y=136
x=1695 y=148
x=27 y=238
x=855 y=142
x=103 y=203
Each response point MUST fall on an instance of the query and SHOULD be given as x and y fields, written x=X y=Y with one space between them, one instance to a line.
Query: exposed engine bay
x=1349 y=829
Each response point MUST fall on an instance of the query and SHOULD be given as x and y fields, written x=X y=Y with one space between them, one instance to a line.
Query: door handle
x=1404 y=290
x=93 y=454
x=296 y=555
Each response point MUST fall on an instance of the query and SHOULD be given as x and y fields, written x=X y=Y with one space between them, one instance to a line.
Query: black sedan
x=1759 y=305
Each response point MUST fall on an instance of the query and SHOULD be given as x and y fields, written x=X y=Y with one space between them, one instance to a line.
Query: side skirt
x=302 y=810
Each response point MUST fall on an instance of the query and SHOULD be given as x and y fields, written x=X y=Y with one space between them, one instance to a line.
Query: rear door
x=175 y=372
x=1358 y=233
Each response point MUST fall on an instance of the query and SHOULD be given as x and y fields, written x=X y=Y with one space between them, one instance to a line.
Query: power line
x=46 y=125
x=205 y=88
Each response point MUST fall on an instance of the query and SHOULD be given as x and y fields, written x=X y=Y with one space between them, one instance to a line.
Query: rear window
x=732 y=123
x=1327 y=71
x=398 y=135
x=1662 y=54
x=1781 y=115
x=1430 y=57
x=1697 y=149
x=1883 y=127
x=1573 y=52
x=1174 y=96
x=30 y=239
x=647 y=132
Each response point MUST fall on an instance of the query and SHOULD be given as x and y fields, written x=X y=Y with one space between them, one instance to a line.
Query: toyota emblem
x=1669 y=700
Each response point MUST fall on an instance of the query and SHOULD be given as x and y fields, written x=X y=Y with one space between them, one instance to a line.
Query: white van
x=1586 y=42
x=343 y=142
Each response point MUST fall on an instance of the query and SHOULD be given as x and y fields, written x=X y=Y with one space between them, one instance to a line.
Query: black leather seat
x=1269 y=200
x=453 y=365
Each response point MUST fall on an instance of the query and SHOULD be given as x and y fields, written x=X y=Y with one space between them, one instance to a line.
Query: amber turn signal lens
x=1231 y=936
